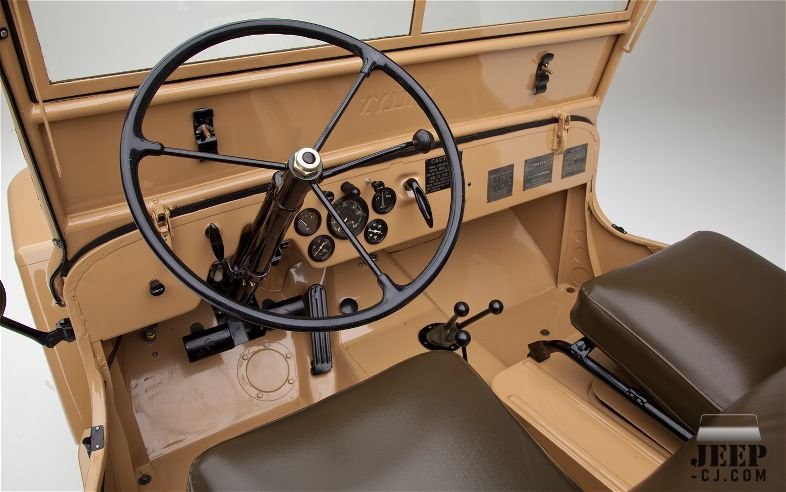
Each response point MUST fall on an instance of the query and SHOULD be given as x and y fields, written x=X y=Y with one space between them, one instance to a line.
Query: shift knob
x=463 y=338
x=461 y=309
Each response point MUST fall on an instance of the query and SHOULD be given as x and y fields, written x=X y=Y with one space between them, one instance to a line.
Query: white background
x=693 y=138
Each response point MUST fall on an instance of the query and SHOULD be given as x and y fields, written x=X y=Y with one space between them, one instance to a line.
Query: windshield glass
x=443 y=15
x=106 y=37
x=82 y=38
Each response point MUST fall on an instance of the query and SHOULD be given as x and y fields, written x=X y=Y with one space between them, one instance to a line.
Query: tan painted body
x=531 y=249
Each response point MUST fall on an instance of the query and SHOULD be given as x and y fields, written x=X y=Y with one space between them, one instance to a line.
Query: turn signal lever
x=453 y=335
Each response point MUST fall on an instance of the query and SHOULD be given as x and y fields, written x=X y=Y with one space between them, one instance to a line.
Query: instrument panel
x=354 y=212
x=379 y=206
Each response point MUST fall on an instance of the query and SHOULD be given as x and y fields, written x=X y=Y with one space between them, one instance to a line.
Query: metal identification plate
x=437 y=174
x=537 y=171
x=500 y=183
x=574 y=160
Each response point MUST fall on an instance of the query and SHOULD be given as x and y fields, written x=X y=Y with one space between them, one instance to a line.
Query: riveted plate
x=267 y=371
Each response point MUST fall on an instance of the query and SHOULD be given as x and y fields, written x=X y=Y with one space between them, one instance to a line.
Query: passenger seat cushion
x=768 y=402
x=697 y=324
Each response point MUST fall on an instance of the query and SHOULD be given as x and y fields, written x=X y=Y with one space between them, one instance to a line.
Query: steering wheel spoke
x=422 y=141
x=365 y=71
x=223 y=158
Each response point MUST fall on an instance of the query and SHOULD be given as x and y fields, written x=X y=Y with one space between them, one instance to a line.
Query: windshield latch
x=204 y=131
x=161 y=218
x=560 y=140
x=542 y=73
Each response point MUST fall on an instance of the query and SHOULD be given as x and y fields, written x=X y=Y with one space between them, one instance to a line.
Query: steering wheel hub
x=306 y=163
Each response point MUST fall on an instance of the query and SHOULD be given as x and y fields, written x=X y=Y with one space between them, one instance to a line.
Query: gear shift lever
x=451 y=335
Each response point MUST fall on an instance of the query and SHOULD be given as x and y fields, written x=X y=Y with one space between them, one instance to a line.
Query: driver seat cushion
x=697 y=325
x=427 y=423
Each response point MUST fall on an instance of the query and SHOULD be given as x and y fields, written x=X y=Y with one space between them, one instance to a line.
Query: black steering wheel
x=134 y=147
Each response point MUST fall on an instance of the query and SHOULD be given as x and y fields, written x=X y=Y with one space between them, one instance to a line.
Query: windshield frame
x=47 y=90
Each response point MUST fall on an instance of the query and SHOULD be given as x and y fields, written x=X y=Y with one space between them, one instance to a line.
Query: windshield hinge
x=560 y=141
x=95 y=442
x=161 y=216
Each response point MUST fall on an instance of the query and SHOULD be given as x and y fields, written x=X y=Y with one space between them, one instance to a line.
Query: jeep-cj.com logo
x=728 y=449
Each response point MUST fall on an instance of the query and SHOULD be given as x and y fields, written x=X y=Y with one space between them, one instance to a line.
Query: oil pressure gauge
x=307 y=222
x=376 y=231
x=321 y=248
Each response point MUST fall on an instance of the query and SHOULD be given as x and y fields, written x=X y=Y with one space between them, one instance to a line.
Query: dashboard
x=500 y=172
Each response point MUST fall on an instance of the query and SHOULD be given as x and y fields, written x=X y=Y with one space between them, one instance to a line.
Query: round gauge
x=321 y=248
x=307 y=222
x=376 y=231
x=384 y=200
x=354 y=213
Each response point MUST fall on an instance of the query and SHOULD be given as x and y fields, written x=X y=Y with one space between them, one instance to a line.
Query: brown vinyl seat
x=697 y=325
x=767 y=401
x=429 y=423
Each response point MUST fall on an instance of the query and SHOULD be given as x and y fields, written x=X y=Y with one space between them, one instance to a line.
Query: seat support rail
x=579 y=352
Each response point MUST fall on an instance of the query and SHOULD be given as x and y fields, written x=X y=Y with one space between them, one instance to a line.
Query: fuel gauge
x=384 y=199
x=307 y=222
x=321 y=248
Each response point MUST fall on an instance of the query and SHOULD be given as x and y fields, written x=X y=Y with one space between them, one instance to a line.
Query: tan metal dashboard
x=528 y=151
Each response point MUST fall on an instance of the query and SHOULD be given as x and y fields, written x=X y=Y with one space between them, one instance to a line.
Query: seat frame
x=579 y=353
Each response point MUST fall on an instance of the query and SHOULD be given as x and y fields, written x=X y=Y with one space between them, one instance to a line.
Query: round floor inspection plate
x=267 y=371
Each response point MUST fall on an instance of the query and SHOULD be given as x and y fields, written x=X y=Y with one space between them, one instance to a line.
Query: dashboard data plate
x=574 y=161
x=500 y=183
x=537 y=171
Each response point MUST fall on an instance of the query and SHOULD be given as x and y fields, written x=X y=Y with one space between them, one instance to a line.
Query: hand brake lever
x=420 y=198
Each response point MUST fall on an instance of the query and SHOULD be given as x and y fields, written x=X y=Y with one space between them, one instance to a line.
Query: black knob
x=156 y=288
x=496 y=306
x=330 y=196
x=463 y=338
x=350 y=190
x=461 y=309
x=423 y=141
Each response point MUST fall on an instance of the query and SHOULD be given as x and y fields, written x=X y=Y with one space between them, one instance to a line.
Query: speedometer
x=354 y=213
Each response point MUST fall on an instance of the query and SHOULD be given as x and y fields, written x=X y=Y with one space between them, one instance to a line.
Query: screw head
x=3 y=33
x=150 y=334
x=144 y=479
x=545 y=332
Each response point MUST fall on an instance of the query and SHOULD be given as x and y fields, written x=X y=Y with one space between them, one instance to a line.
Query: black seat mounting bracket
x=579 y=352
